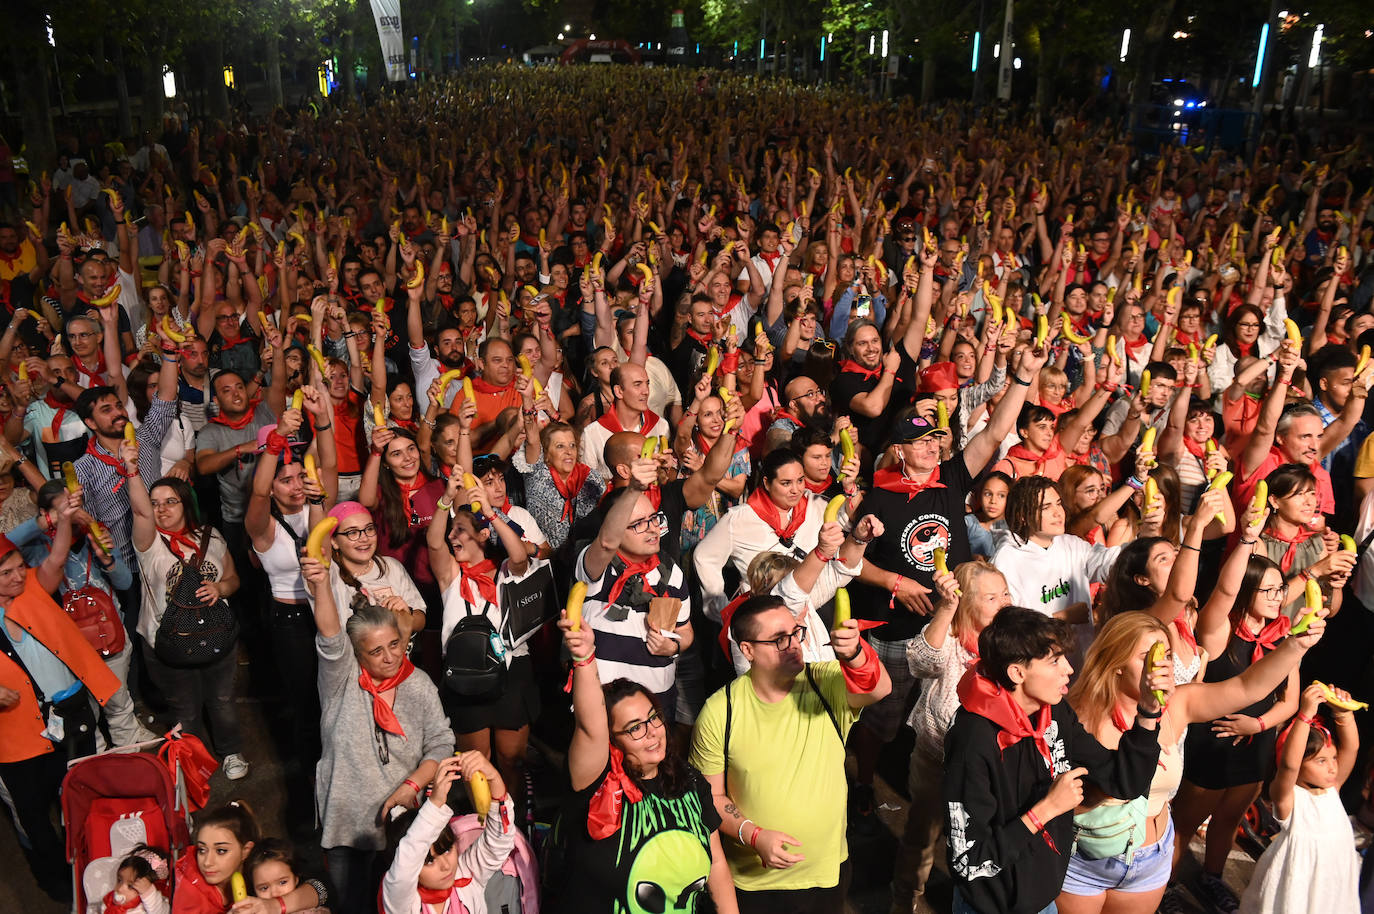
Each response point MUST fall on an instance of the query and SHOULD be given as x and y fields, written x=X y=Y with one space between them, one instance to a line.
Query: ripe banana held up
x=1335 y=701
x=1312 y=600
x=576 y=595
x=1155 y=660
x=314 y=543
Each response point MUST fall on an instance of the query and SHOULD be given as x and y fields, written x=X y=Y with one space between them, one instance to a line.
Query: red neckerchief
x=819 y=488
x=1244 y=349
x=1291 y=553
x=612 y=421
x=237 y=424
x=1019 y=451
x=179 y=538
x=486 y=387
x=115 y=907
x=705 y=448
x=1183 y=339
x=891 y=480
x=726 y=615
x=632 y=568
x=702 y=338
x=1185 y=634
x=407 y=424
x=98 y=376
x=781 y=413
x=768 y=513
x=483 y=575
x=980 y=695
x=853 y=367
x=52 y=401
x=1119 y=719
x=603 y=812
x=443 y=896
x=382 y=713
x=96 y=451
x=771 y=259
x=1134 y=347
x=570 y=487
x=1059 y=408
x=226 y=344
x=1267 y=638
x=1194 y=448
x=408 y=491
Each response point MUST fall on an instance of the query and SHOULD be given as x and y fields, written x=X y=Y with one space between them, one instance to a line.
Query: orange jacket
x=21 y=727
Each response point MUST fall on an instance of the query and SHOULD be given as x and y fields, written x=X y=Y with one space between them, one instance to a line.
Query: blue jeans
x=963 y=907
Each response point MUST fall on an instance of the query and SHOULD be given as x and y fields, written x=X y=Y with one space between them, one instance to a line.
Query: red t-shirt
x=346 y=424
x=1239 y=418
x=1326 y=499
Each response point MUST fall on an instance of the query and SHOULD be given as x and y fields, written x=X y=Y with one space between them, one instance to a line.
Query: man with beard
x=688 y=356
x=101 y=472
x=448 y=355
x=49 y=418
x=1319 y=240
x=803 y=404
x=194 y=387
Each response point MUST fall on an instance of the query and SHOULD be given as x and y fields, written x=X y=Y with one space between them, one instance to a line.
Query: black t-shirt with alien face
x=658 y=860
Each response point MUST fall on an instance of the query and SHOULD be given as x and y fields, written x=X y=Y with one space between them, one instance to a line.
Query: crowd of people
x=713 y=431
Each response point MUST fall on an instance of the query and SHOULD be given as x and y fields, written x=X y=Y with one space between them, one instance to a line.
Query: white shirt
x=739 y=536
x=1050 y=580
x=594 y=438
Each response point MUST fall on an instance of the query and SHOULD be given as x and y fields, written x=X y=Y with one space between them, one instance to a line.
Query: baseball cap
x=914 y=428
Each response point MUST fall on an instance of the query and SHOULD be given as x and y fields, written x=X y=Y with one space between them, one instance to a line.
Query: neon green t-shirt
x=786 y=774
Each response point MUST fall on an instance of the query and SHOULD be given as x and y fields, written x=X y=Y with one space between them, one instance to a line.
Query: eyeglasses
x=809 y=395
x=81 y=334
x=1253 y=325
x=640 y=728
x=658 y=518
x=1272 y=593
x=783 y=642
x=169 y=503
x=358 y=533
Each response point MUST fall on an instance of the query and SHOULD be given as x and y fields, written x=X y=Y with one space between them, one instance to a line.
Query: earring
x=1118 y=672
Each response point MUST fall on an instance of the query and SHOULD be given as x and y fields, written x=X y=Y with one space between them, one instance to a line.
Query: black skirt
x=514 y=708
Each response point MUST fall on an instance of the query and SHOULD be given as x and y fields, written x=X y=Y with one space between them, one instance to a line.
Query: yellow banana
x=1329 y=695
x=1294 y=334
x=1221 y=481
x=843 y=612
x=297 y=399
x=418 y=279
x=847 y=444
x=237 y=888
x=445 y=380
x=312 y=470
x=941 y=414
x=1147 y=440
x=1156 y=659
x=1348 y=543
x=1363 y=362
x=467 y=390
x=1312 y=600
x=1144 y=384
x=470 y=482
x=576 y=594
x=69 y=476
x=378 y=416
x=1071 y=334
x=479 y=789
x=314 y=543
x=649 y=448
x=832 y=509
x=130 y=432
x=319 y=360
x=1151 y=494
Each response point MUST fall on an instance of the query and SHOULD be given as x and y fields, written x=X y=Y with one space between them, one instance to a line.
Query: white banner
x=388 y=16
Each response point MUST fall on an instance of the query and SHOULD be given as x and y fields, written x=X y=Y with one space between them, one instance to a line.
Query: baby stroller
x=111 y=803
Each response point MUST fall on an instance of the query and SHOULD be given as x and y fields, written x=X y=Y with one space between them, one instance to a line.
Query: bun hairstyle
x=236 y=817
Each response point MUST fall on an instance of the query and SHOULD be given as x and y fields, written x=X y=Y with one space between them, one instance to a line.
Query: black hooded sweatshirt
x=998 y=864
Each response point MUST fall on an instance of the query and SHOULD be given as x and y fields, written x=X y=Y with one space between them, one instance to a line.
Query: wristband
x=583 y=661
x=1140 y=712
x=412 y=785
x=1260 y=720
x=1016 y=379
x=1134 y=483
x=324 y=428
x=1248 y=542
x=739 y=833
x=276 y=443
x=892 y=601
x=822 y=556
x=729 y=364
x=1035 y=820
x=443 y=507
x=1311 y=722
x=864 y=679
x=754 y=838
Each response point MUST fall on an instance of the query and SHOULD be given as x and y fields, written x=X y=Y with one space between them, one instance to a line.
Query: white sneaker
x=235 y=768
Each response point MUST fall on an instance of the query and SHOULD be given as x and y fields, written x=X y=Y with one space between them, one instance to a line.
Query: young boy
x=1015 y=759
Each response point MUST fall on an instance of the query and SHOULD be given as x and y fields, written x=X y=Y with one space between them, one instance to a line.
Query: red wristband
x=1260 y=719
x=892 y=601
x=412 y=785
x=729 y=364
x=1310 y=721
x=754 y=838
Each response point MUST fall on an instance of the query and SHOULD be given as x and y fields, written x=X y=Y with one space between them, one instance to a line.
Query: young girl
x=271 y=871
x=986 y=519
x=428 y=874
x=224 y=839
x=141 y=875
x=1312 y=864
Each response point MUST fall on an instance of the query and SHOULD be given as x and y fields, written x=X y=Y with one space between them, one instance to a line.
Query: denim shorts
x=1148 y=870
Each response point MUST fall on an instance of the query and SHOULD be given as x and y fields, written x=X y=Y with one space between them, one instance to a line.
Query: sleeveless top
x=281 y=562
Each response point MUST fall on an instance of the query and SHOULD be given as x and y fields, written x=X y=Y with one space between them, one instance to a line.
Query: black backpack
x=190 y=633
x=474 y=659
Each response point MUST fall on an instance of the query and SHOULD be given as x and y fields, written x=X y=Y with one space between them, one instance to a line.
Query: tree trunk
x=30 y=56
x=126 y=115
x=273 y=67
x=152 y=93
x=218 y=100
